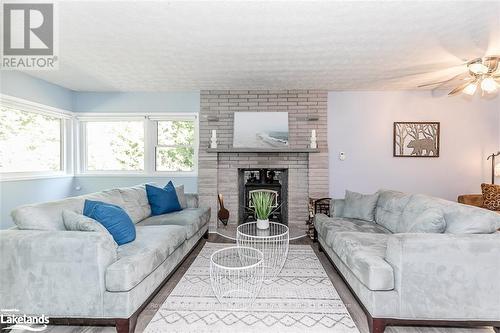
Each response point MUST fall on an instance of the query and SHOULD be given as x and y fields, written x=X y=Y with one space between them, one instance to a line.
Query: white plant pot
x=263 y=224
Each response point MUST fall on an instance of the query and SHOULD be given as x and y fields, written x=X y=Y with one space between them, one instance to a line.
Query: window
x=32 y=140
x=114 y=145
x=138 y=144
x=175 y=145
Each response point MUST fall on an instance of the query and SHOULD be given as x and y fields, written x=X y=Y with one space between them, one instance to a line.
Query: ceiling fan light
x=470 y=89
x=489 y=85
x=478 y=68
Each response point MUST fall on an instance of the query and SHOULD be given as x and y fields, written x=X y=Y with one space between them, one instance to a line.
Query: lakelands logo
x=29 y=36
x=15 y=321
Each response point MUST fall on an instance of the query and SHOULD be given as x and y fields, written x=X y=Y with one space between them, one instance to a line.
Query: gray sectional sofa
x=420 y=261
x=84 y=277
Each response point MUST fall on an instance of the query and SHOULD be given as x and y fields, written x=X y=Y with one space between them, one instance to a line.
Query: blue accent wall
x=16 y=193
x=22 y=192
x=89 y=184
x=24 y=86
x=136 y=102
x=21 y=85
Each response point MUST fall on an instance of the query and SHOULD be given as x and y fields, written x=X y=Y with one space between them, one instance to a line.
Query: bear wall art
x=416 y=139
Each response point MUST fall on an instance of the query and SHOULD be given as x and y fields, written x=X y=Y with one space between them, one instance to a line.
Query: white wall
x=361 y=125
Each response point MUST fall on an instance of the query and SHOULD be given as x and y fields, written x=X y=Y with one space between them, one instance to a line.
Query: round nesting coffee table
x=272 y=242
x=236 y=275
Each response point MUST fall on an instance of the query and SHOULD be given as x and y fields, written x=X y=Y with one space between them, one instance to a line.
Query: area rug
x=301 y=299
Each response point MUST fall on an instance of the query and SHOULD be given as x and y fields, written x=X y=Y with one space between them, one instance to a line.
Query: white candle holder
x=313 y=144
x=213 y=140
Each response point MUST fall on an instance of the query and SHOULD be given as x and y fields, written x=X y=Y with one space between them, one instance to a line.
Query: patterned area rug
x=301 y=299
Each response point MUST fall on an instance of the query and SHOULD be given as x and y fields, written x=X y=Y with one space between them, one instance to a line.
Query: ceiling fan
x=481 y=72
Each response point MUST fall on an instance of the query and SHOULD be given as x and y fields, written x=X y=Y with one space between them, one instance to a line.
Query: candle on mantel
x=213 y=139
x=313 y=145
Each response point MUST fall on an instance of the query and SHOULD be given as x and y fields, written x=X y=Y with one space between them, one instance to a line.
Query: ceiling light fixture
x=481 y=72
x=489 y=85
x=470 y=89
x=478 y=68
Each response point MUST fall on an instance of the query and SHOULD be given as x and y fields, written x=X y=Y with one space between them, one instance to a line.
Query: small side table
x=272 y=242
x=236 y=275
x=316 y=206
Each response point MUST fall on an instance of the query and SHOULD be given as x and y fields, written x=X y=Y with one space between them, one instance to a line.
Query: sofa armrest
x=56 y=273
x=192 y=200
x=445 y=276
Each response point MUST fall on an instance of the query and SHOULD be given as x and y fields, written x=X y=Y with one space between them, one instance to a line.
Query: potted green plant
x=263 y=207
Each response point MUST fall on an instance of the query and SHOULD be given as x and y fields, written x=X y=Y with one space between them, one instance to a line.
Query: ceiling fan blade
x=440 y=83
x=458 y=89
x=433 y=83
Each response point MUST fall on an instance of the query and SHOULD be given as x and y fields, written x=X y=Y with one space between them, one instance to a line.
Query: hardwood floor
x=349 y=300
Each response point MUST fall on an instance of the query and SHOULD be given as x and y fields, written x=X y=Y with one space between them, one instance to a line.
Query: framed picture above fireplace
x=260 y=130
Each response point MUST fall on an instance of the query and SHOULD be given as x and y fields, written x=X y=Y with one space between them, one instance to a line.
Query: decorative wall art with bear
x=416 y=139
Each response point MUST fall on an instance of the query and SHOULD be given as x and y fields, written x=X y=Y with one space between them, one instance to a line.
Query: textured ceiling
x=162 y=46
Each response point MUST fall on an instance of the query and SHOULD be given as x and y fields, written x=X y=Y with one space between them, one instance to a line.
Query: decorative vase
x=263 y=224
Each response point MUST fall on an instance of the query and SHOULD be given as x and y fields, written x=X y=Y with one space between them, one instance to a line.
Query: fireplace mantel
x=262 y=150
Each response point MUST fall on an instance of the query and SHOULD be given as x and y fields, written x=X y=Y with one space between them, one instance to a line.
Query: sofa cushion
x=462 y=219
x=48 y=215
x=136 y=260
x=390 y=206
x=360 y=206
x=135 y=202
x=364 y=254
x=193 y=219
x=181 y=196
x=327 y=226
x=423 y=213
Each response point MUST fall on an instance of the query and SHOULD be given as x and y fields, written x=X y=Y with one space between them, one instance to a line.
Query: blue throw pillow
x=113 y=218
x=163 y=200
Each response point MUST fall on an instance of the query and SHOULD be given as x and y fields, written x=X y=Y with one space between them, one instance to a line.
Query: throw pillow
x=360 y=206
x=77 y=222
x=337 y=207
x=491 y=196
x=181 y=196
x=464 y=219
x=430 y=221
x=113 y=218
x=163 y=200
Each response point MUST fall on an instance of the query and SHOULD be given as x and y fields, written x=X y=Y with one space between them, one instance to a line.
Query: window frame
x=150 y=143
x=66 y=138
x=154 y=134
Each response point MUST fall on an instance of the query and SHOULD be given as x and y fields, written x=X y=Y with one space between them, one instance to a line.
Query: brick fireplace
x=307 y=170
